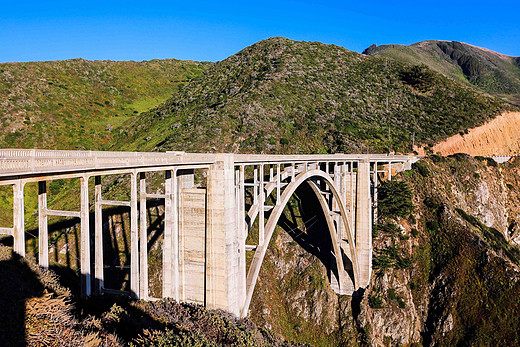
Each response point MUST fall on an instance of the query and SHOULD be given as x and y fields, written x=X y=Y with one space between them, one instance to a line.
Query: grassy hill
x=489 y=71
x=286 y=96
x=77 y=104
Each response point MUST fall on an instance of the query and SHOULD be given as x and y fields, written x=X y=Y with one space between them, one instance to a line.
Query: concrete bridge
x=217 y=207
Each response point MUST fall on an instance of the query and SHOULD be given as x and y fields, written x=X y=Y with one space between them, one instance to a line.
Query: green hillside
x=286 y=96
x=77 y=104
x=489 y=71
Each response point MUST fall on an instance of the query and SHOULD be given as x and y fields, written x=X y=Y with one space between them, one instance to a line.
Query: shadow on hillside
x=64 y=245
x=18 y=283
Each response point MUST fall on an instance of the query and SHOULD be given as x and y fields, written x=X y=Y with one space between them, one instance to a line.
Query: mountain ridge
x=489 y=71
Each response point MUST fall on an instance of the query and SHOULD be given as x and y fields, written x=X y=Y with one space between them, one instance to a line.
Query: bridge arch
x=304 y=177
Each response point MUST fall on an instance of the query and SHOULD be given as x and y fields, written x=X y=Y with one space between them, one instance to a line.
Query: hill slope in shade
x=77 y=104
x=489 y=71
x=280 y=95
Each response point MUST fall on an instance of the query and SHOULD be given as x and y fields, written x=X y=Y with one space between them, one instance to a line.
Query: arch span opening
x=307 y=177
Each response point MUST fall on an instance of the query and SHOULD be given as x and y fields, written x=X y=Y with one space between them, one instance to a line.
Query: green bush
x=395 y=199
x=284 y=141
x=400 y=302
x=390 y=257
x=432 y=226
x=375 y=301
x=420 y=77
x=158 y=338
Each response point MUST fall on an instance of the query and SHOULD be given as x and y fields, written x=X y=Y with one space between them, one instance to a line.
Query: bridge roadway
x=238 y=198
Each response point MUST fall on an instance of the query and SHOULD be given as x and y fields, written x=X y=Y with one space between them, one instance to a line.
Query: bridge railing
x=34 y=161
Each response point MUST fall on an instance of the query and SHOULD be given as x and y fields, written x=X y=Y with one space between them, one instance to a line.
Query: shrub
x=395 y=199
x=420 y=77
x=432 y=226
x=421 y=168
x=375 y=301
x=400 y=302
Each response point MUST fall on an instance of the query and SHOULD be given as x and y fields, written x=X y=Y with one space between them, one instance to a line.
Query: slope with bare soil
x=499 y=136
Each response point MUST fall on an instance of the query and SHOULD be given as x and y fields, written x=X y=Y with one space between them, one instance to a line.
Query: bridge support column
x=171 y=270
x=134 y=237
x=224 y=289
x=18 y=219
x=43 y=232
x=98 y=237
x=364 y=223
x=85 y=239
x=143 y=239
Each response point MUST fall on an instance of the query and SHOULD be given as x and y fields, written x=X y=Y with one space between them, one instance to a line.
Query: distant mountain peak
x=489 y=71
x=370 y=49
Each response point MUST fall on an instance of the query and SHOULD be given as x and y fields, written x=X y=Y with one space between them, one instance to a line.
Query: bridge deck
x=22 y=163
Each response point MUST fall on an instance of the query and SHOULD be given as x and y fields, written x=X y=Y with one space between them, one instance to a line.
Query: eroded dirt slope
x=499 y=136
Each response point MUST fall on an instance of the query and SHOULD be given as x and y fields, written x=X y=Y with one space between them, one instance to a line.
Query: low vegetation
x=79 y=104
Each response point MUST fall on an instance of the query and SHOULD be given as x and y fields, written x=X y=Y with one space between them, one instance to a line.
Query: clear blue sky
x=213 y=30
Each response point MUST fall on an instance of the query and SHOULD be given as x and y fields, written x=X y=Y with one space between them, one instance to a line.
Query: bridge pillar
x=224 y=288
x=364 y=223
x=18 y=218
x=85 y=239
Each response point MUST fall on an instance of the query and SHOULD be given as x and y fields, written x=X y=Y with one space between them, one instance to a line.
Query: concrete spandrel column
x=43 y=231
x=241 y=205
x=335 y=203
x=261 y=208
x=143 y=239
x=168 y=232
x=18 y=218
x=98 y=236
x=224 y=289
x=85 y=239
x=363 y=223
x=171 y=270
x=134 y=237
